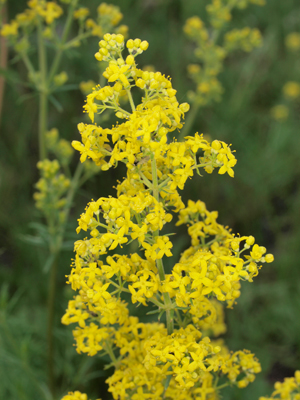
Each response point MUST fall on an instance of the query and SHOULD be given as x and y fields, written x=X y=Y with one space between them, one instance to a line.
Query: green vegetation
x=263 y=199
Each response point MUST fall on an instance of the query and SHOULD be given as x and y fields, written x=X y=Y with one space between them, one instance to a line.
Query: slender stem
x=76 y=38
x=145 y=180
x=222 y=386
x=50 y=341
x=189 y=122
x=55 y=248
x=130 y=100
x=179 y=319
x=159 y=263
x=43 y=93
x=28 y=64
x=110 y=352
x=119 y=287
x=3 y=57
x=72 y=190
x=59 y=52
x=43 y=106
x=155 y=182
x=156 y=302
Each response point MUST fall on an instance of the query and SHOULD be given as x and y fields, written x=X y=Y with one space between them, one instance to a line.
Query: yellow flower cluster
x=76 y=396
x=288 y=389
x=188 y=362
x=245 y=39
x=155 y=360
x=49 y=11
x=59 y=147
x=108 y=17
x=214 y=263
x=52 y=186
x=220 y=10
x=211 y=54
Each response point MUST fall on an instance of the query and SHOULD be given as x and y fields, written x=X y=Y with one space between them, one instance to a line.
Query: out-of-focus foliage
x=258 y=112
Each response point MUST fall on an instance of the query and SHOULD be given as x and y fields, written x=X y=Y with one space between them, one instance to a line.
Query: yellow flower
x=87 y=86
x=81 y=13
x=10 y=29
x=280 y=112
x=291 y=90
x=292 y=41
x=75 y=396
x=51 y=12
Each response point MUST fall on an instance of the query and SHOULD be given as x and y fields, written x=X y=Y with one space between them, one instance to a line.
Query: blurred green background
x=263 y=199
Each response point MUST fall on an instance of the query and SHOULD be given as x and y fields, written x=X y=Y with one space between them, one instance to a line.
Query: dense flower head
x=177 y=358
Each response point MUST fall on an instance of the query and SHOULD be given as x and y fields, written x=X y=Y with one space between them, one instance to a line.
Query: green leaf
x=56 y=103
x=153 y=312
x=34 y=240
x=50 y=260
x=66 y=88
x=68 y=245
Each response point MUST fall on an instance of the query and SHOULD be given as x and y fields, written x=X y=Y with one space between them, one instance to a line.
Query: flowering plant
x=176 y=356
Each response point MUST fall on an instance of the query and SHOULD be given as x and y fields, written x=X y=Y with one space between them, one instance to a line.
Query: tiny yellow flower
x=280 y=112
x=292 y=41
x=10 y=29
x=291 y=90
x=81 y=13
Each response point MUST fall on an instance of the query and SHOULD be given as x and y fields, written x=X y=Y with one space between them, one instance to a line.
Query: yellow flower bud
x=184 y=107
x=130 y=60
x=144 y=45
x=269 y=258
x=250 y=240
x=137 y=42
x=119 y=38
x=98 y=56
x=130 y=44
x=216 y=145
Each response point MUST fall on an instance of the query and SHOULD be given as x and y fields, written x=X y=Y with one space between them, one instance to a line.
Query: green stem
x=43 y=93
x=179 y=319
x=130 y=100
x=119 y=287
x=28 y=64
x=50 y=341
x=76 y=39
x=55 y=248
x=3 y=57
x=156 y=302
x=60 y=50
x=189 y=122
x=159 y=263
x=72 y=190
x=145 y=180
x=222 y=386
x=43 y=111
x=110 y=352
